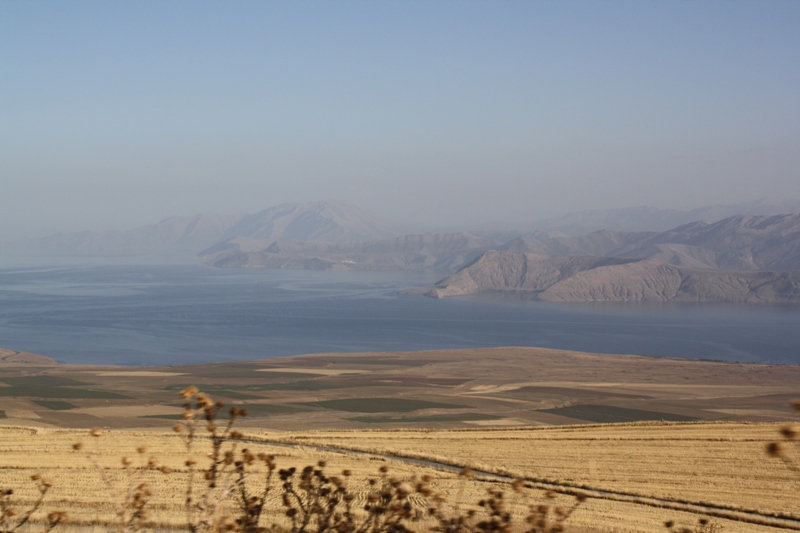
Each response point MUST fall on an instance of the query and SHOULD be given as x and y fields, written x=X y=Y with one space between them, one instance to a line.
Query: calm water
x=144 y=315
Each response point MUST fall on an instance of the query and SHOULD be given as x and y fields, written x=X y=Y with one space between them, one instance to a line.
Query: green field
x=609 y=414
x=54 y=405
x=382 y=405
x=459 y=417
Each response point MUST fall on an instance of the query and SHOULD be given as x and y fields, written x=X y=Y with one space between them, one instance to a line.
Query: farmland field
x=692 y=432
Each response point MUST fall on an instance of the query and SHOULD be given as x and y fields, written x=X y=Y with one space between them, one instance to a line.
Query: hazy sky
x=118 y=114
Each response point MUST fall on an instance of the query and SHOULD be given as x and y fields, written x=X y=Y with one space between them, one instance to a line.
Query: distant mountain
x=735 y=243
x=442 y=251
x=646 y=218
x=172 y=236
x=591 y=279
x=328 y=222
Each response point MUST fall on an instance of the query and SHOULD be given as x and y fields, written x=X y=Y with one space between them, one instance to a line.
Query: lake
x=162 y=315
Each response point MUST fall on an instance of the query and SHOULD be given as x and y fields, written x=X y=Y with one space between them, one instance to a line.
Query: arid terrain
x=647 y=439
x=499 y=387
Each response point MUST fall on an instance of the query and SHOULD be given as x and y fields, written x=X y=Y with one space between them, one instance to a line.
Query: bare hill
x=647 y=218
x=736 y=243
x=441 y=251
x=329 y=222
x=591 y=279
x=171 y=236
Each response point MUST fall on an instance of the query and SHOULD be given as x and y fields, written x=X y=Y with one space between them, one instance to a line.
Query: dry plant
x=131 y=495
x=11 y=519
x=230 y=492
x=791 y=437
x=704 y=525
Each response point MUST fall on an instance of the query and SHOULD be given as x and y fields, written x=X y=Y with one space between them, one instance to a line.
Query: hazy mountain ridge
x=326 y=221
x=742 y=258
x=442 y=251
x=592 y=279
x=735 y=243
x=178 y=235
x=647 y=218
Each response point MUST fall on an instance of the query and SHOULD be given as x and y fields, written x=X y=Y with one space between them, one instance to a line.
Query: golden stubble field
x=683 y=431
x=722 y=464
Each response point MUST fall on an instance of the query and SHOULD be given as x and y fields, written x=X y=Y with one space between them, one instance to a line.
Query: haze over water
x=162 y=315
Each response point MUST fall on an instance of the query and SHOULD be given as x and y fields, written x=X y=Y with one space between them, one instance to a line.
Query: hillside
x=171 y=236
x=328 y=221
x=736 y=243
x=648 y=218
x=439 y=251
x=592 y=279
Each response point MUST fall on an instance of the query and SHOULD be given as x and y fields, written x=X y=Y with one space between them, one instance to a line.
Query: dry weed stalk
x=704 y=525
x=131 y=497
x=229 y=493
x=316 y=502
x=10 y=517
x=791 y=436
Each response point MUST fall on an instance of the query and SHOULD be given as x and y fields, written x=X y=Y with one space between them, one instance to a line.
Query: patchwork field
x=642 y=436
x=500 y=387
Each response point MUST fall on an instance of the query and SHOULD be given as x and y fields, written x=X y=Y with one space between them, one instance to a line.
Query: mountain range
x=592 y=279
x=326 y=221
x=741 y=258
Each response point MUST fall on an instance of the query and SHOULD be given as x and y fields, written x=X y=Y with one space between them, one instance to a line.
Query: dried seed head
x=141 y=449
x=204 y=400
x=791 y=431
x=177 y=428
x=188 y=392
x=796 y=405
x=166 y=469
x=467 y=473
x=36 y=477
x=321 y=464
x=96 y=432
x=77 y=446
x=127 y=461
x=776 y=449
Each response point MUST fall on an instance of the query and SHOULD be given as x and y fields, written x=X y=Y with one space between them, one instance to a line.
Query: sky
x=119 y=114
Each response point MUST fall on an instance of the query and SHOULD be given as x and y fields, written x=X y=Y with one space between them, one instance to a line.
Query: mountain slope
x=646 y=218
x=441 y=251
x=171 y=236
x=592 y=279
x=736 y=243
x=330 y=222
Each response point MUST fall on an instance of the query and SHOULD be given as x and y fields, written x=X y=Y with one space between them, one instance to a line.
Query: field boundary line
x=752 y=516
